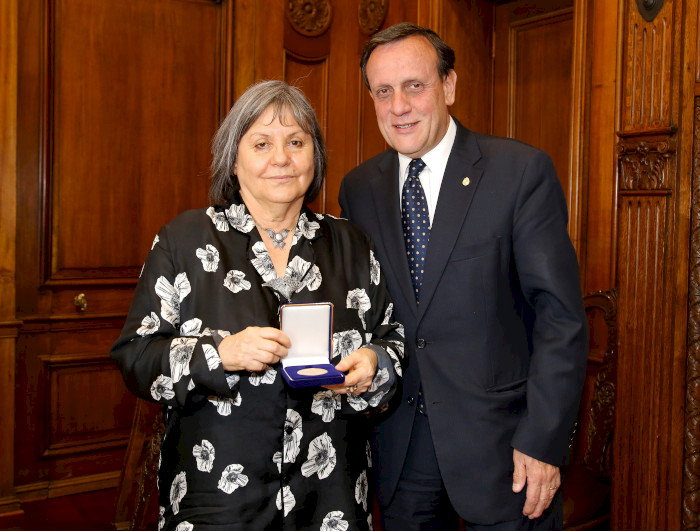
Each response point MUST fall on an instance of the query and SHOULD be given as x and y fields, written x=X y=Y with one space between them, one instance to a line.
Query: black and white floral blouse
x=243 y=450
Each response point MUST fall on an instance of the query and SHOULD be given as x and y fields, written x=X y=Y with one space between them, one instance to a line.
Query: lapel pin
x=465 y=182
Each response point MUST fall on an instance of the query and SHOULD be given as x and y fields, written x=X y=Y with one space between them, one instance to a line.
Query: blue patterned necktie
x=416 y=223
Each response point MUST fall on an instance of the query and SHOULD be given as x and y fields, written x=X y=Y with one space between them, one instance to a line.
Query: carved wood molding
x=371 y=14
x=691 y=469
x=148 y=476
x=309 y=17
x=601 y=414
x=648 y=69
x=645 y=164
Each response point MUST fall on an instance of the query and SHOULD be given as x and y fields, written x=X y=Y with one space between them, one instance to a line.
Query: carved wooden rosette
x=309 y=17
x=371 y=14
x=691 y=469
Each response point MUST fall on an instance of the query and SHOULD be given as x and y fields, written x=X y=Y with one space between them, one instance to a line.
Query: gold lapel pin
x=465 y=182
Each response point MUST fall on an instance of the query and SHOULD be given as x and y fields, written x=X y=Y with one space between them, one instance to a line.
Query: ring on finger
x=351 y=388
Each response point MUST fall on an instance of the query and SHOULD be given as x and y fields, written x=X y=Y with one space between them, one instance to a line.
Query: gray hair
x=402 y=30
x=284 y=99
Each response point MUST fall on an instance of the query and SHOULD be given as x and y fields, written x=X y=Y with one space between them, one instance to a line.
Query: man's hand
x=543 y=481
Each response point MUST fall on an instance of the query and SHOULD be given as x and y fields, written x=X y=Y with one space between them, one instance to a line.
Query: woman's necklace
x=278 y=238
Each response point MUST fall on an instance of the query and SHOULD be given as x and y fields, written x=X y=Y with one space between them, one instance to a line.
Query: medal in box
x=310 y=329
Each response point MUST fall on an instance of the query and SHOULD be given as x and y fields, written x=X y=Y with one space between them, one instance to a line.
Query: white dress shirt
x=431 y=176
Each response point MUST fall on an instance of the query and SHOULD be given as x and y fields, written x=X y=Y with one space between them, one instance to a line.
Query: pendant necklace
x=278 y=238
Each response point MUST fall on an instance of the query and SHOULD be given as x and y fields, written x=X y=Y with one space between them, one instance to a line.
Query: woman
x=243 y=450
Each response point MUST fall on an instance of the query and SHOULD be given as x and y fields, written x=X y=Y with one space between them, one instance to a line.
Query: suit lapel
x=453 y=203
x=385 y=194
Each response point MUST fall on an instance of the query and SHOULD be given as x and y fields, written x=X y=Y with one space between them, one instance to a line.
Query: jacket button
x=410 y=400
x=420 y=344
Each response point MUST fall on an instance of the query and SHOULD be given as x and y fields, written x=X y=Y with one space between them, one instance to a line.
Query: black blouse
x=243 y=450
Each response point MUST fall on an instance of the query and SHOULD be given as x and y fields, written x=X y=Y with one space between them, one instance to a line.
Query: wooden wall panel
x=73 y=427
x=467 y=26
x=647 y=97
x=642 y=371
x=541 y=86
x=600 y=156
x=311 y=76
x=9 y=503
x=121 y=77
x=120 y=101
x=653 y=169
x=540 y=91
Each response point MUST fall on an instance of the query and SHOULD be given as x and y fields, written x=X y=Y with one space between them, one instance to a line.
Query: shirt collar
x=435 y=159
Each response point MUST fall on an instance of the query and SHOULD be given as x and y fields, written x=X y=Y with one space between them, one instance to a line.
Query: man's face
x=409 y=97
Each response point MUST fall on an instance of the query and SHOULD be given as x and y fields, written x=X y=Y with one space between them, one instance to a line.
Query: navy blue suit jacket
x=499 y=340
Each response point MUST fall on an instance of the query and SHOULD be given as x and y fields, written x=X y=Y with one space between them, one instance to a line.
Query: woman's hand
x=360 y=366
x=253 y=349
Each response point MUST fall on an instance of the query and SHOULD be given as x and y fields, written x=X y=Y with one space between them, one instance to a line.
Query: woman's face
x=275 y=162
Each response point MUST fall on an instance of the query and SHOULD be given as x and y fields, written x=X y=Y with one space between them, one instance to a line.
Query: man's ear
x=449 y=85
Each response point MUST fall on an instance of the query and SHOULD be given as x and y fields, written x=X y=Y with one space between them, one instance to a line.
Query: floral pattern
x=361 y=490
x=334 y=521
x=209 y=257
x=235 y=281
x=292 y=435
x=178 y=489
x=265 y=377
x=322 y=457
x=325 y=404
x=149 y=325
x=171 y=295
x=242 y=443
x=346 y=342
x=232 y=478
x=374 y=269
x=205 y=456
x=285 y=500
x=180 y=354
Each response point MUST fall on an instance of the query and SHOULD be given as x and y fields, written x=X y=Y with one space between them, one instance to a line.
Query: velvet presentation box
x=310 y=329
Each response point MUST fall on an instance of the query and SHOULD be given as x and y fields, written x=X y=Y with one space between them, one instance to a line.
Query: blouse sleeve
x=162 y=359
x=385 y=337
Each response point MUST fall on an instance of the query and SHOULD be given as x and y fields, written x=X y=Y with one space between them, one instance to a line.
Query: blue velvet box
x=310 y=329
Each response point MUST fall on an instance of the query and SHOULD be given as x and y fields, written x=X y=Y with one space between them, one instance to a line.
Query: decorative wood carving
x=309 y=17
x=601 y=414
x=148 y=480
x=644 y=397
x=649 y=8
x=691 y=470
x=644 y=164
x=649 y=56
x=371 y=14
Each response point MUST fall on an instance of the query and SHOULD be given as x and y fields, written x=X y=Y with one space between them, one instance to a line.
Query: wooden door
x=534 y=96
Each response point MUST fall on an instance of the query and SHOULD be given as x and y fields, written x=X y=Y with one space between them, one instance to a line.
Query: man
x=492 y=308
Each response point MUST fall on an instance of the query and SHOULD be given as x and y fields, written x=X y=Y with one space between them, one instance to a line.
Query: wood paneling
x=653 y=165
x=600 y=157
x=117 y=86
x=540 y=89
x=120 y=101
x=9 y=504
